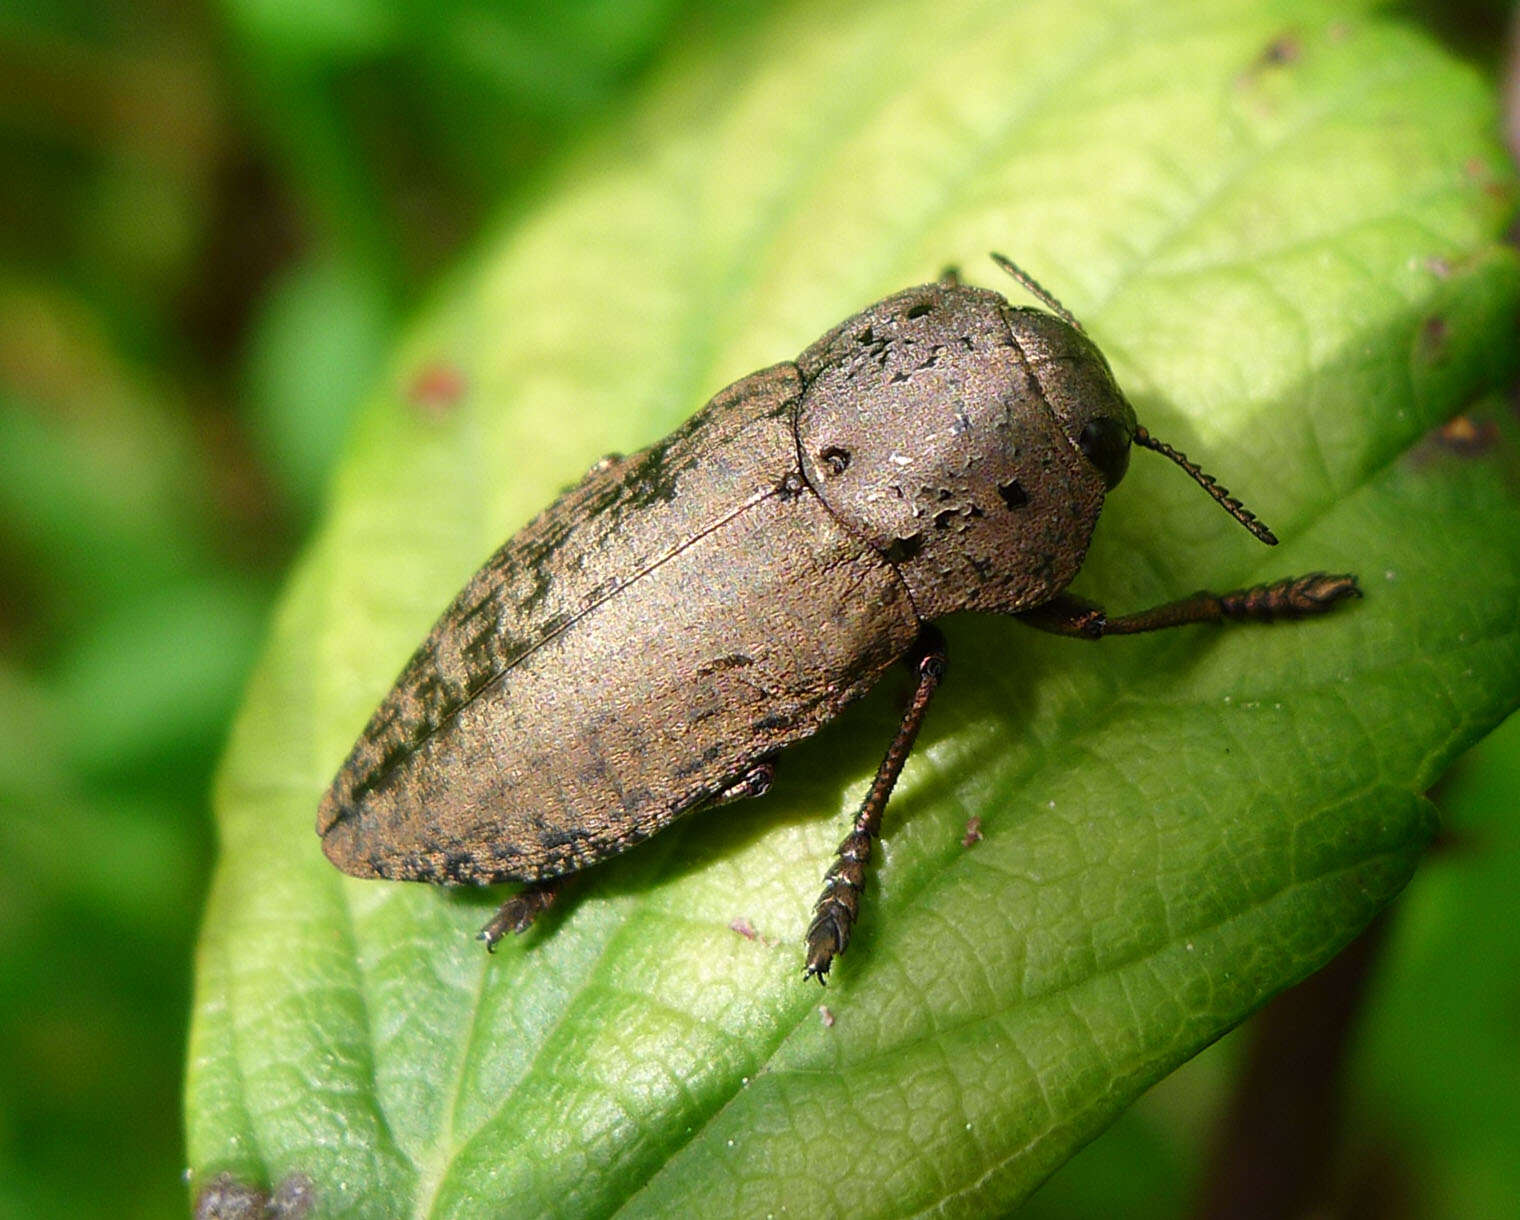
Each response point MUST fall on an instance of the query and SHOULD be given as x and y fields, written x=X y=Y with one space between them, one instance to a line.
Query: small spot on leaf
x=1284 y=49
x=1467 y=436
x=436 y=388
x=1434 y=338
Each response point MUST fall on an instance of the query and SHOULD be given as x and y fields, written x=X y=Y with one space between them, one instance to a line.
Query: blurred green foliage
x=212 y=220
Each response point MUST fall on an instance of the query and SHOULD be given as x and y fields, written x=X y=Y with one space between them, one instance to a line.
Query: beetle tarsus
x=518 y=912
x=1298 y=597
x=838 y=906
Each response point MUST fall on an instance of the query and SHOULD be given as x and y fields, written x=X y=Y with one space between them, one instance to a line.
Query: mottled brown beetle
x=651 y=641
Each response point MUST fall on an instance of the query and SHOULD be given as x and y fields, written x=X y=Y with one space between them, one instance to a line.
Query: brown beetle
x=651 y=641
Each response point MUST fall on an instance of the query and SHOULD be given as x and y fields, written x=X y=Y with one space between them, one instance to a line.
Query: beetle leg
x=1296 y=597
x=754 y=782
x=518 y=912
x=839 y=904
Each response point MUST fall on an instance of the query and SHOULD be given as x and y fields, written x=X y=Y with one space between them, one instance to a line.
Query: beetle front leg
x=1296 y=597
x=836 y=909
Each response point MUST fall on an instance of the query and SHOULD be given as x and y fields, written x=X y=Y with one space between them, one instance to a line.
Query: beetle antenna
x=1032 y=286
x=1225 y=500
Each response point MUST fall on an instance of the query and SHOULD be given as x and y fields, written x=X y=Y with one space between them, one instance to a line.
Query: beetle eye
x=1105 y=443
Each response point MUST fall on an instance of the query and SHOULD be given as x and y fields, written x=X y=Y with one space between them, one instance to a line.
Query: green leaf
x=1282 y=227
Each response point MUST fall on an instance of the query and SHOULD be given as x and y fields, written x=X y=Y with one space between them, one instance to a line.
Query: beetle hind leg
x=518 y=912
x=839 y=904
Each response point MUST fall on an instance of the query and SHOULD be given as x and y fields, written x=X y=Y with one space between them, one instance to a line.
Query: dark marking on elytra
x=900 y=550
x=732 y=660
x=698 y=763
x=559 y=837
x=654 y=479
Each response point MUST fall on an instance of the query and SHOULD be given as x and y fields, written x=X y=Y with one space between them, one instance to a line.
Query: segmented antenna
x=1032 y=286
x=1225 y=500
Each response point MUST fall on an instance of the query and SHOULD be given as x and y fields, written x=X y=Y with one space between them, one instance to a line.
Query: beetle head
x=1079 y=389
x=1094 y=414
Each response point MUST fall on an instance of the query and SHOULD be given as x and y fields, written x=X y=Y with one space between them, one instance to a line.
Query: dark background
x=214 y=219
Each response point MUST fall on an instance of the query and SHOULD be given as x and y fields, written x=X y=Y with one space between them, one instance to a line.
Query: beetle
x=651 y=641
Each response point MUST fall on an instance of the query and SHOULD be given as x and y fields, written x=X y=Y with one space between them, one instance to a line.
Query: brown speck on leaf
x=1467 y=436
x=743 y=928
x=1438 y=267
x=828 y=1016
x=1284 y=49
x=294 y=1198
x=973 y=834
x=1479 y=172
x=226 y=1198
x=1434 y=338
x=436 y=388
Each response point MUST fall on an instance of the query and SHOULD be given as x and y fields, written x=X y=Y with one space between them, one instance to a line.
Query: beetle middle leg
x=1295 y=597
x=754 y=782
x=835 y=912
x=518 y=912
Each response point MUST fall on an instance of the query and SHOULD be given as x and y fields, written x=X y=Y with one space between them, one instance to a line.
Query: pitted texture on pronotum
x=654 y=638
